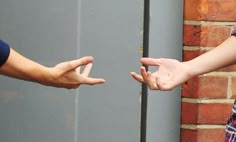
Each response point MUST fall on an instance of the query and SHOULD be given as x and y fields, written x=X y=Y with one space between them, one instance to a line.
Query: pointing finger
x=151 y=61
x=71 y=65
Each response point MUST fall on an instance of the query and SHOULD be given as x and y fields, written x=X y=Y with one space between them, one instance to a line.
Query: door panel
x=163 y=116
x=44 y=31
x=111 y=31
x=51 y=31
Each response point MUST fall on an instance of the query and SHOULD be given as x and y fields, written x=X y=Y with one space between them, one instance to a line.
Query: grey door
x=51 y=31
x=163 y=116
x=45 y=31
x=111 y=31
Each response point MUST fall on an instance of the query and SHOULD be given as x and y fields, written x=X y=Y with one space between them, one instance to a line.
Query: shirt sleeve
x=233 y=33
x=4 y=52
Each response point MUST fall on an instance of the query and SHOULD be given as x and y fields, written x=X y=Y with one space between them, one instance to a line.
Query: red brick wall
x=207 y=99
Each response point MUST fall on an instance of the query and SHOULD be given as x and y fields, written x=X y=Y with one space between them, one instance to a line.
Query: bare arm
x=65 y=75
x=172 y=73
x=221 y=56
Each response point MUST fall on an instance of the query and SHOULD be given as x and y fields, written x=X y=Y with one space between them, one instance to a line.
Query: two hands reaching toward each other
x=68 y=74
x=170 y=72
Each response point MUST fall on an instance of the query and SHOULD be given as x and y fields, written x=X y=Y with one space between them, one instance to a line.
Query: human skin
x=171 y=72
x=63 y=75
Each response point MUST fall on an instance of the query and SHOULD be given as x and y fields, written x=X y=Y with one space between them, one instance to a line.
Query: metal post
x=144 y=86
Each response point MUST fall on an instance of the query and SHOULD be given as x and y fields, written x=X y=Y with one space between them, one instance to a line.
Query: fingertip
x=149 y=73
x=90 y=65
x=101 y=81
x=142 y=68
x=90 y=58
x=143 y=59
x=85 y=60
x=132 y=73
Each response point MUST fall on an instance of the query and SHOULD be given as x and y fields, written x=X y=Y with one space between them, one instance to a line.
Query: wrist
x=189 y=68
x=44 y=75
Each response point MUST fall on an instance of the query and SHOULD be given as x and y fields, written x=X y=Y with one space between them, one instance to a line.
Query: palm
x=170 y=73
x=68 y=74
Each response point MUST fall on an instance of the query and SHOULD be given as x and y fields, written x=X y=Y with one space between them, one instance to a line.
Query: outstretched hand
x=170 y=73
x=68 y=74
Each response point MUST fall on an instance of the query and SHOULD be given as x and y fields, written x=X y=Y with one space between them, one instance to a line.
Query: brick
x=211 y=135
x=233 y=87
x=205 y=35
x=205 y=87
x=202 y=135
x=199 y=113
x=214 y=113
x=190 y=10
x=212 y=35
x=189 y=55
x=188 y=135
x=192 y=35
x=189 y=113
x=210 y=10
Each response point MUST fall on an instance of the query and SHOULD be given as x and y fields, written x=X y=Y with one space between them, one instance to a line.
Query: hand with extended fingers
x=68 y=74
x=170 y=73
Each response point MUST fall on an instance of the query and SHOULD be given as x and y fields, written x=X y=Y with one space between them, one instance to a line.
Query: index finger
x=82 y=61
x=71 y=65
x=151 y=61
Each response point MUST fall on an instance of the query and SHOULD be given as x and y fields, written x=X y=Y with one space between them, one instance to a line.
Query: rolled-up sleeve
x=233 y=33
x=4 y=52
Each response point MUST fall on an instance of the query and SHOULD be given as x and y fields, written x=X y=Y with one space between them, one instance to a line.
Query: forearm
x=20 y=67
x=221 y=56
